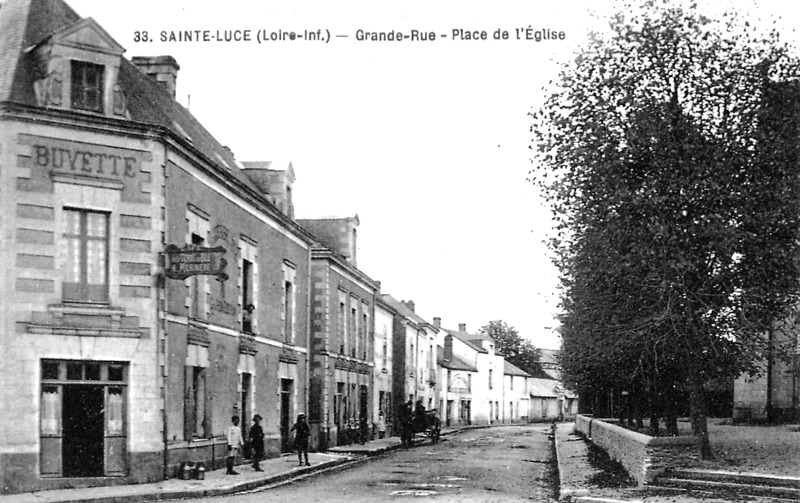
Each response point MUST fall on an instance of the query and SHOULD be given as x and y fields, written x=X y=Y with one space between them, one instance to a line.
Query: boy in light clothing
x=235 y=444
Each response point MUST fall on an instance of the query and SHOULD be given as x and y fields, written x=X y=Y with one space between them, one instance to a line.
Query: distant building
x=549 y=399
x=456 y=361
x=383 y=397
x=515 y=394
x=413 y=356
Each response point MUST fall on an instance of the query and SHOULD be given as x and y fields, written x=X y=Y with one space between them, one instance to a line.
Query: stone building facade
x=81 y=204
x=342 y=335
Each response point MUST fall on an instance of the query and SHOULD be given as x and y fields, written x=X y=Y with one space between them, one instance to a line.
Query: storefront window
x=51 y=411
x=114 y=411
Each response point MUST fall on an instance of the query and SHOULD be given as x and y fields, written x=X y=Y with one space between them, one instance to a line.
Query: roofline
x=323 y=253
x=385 y=305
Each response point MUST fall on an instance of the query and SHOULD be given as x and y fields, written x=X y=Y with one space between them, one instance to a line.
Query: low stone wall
x=583 y=425
x=643 y=456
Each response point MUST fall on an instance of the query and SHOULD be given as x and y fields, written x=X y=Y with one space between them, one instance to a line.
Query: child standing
x=257 y=441
x=235 y=444
x=381 y=426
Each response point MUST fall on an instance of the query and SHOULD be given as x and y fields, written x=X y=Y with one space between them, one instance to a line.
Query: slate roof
x=403 y=310
x=466 y=339
x=512 y=370
x=543 y=388
x=24 y=24
x=455 y=363
x=549 y=356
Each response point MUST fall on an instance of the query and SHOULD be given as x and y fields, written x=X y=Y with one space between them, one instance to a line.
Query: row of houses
x=157 y=286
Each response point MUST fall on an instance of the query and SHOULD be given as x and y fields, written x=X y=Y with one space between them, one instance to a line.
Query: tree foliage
x=668 y=153
x=516 y=350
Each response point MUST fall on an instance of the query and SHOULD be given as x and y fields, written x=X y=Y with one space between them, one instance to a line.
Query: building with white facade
x=516 y=396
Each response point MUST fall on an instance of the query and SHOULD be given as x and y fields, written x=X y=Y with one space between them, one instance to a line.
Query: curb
x=394 y=447
x=167 y=494
x=590 y=499
x=566 y=493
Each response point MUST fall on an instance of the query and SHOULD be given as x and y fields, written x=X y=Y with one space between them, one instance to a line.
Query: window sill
x=76 y=179
x=85 y=309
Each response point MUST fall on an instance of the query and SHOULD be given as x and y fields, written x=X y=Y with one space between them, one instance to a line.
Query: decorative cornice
x=130 y=333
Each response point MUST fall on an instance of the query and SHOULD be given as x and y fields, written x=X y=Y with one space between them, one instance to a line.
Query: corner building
x=113 y=372
x=81 y=201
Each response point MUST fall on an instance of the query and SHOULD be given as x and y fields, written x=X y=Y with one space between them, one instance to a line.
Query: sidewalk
x=578 y=476
x=216 y=483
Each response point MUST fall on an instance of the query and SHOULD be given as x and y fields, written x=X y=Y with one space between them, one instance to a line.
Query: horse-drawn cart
x=426 y=423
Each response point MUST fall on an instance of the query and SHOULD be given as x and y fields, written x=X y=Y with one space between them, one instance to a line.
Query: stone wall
x=643 y=456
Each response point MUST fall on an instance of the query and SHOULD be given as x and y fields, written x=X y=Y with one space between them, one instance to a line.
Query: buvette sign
x=192 y=260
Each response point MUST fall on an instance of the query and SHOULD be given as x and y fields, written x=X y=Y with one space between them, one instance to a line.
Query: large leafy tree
x=668 y=152
x=514 y=348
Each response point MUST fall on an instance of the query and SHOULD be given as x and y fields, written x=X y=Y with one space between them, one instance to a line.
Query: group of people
x=302 y=433
x=301 y=430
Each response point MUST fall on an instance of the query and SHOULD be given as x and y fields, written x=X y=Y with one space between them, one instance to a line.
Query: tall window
x=412 y=362
x=342 y=324
x=87 y=86
x=490 y=378
x=247 y=296
x=197 y=286
x=364 y=330
x=289 y=302
x=353 y=327
x=196 y=403
x=86 y=270
x=288 y=311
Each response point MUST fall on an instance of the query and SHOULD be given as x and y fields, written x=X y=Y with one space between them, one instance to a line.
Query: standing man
x=257 y=441
x=301 y=435
x=406 y=418
x=235 y=444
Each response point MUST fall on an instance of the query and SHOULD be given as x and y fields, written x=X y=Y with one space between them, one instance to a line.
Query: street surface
x=507 y=464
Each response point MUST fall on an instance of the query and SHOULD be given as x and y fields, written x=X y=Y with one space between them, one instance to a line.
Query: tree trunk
x=697 y=404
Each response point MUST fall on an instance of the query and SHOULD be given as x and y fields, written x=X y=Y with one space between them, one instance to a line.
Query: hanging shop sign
x=192 y=260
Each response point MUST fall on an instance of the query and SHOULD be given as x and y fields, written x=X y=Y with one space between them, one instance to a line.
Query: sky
x=426 y=141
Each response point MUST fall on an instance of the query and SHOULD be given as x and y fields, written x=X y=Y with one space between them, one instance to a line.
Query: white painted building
x=515 y=394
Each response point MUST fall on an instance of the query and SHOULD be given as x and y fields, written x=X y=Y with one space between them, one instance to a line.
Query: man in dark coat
x=405 y=417
x=257 y=442
x=302 y=432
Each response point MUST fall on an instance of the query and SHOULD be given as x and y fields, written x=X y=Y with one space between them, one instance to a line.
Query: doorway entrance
x=83 y=420
x=286 y=413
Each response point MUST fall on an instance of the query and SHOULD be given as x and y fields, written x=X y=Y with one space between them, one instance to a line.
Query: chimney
x=162 y=69
x=448 y=348
x=437 y=322
x=409 y=304
x=462 y=327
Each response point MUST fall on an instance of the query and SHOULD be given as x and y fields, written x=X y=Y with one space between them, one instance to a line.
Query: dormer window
x=87 y=86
